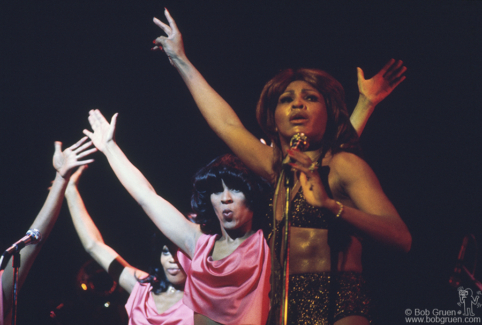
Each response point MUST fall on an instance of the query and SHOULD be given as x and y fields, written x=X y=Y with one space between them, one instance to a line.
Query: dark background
x=59 y=59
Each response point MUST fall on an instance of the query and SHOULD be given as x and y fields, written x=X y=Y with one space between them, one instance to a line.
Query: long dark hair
x=236 y=176
x=157 y=277
x=339 y=135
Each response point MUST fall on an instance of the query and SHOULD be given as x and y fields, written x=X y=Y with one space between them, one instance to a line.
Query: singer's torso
x=310 y=251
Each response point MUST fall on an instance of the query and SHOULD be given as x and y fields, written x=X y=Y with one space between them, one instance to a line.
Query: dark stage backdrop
x=59 y=59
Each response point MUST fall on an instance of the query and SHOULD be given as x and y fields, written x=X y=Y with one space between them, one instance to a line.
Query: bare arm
x=366 y=207
x=167 y=218
x=92 y=239
x=217 y=112
x=374 y=90
x=64 y=162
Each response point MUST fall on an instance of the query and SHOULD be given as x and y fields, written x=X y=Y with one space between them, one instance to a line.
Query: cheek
x=321 y=116
x=214 y=202
x=279 y=115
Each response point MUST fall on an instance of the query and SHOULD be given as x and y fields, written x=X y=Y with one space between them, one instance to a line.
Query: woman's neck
x=236 y=234
x=173 y=288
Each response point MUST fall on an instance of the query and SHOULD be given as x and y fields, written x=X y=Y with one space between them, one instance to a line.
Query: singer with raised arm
x=224 y=254
x=336 y=201
x=64 y=162
x=161 y=288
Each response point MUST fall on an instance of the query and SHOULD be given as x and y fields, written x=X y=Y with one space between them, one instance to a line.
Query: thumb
x=58 y=146
x=114 y=119
x=360 y=74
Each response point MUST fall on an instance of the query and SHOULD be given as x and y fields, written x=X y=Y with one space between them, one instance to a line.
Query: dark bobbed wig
x=339 y=134
x=157 y=278
x=236 y=176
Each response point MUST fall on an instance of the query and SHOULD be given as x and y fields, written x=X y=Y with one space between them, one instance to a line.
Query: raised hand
x=103 y=131
x=382 y=84
x=172 y=45
x=65 y=161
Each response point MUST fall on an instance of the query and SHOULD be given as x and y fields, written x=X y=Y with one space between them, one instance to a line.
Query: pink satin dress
x=141 y=309
x=233 y=290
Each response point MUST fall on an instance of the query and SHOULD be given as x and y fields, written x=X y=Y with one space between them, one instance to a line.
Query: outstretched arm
x=167 y=218
x=374 y=90
x=64 y=162
x=93 y=242
x=217 y=112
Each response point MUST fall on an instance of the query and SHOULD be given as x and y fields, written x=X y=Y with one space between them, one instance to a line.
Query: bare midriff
x=310 y=253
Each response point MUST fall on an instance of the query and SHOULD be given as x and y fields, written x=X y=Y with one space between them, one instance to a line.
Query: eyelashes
x=289 y=99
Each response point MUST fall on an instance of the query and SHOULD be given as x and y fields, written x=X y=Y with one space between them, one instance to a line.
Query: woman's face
x=174 y=272
x=301 y=109
x=231 y=210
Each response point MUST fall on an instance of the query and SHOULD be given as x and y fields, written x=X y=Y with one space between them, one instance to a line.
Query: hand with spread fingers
x=65 y=161
x=383 y=83
x=374 y=90
x=172 y=45
x=103 y=131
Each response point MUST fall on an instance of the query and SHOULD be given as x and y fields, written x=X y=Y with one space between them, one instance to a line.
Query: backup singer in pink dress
x=142 y=309
x=228 y=279
x=155 y=297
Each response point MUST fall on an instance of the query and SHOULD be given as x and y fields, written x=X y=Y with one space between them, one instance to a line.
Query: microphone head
x=299 y=141
x=35 y=235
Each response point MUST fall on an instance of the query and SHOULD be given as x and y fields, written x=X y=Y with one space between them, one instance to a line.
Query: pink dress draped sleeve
x=141 y=309
x=233 y=290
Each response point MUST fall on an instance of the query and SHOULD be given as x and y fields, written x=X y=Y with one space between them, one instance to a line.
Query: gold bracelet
x=339 y=211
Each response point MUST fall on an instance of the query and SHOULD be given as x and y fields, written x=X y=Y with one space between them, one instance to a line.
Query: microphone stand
x=33 y=236
x=16 y=266
x=298 y=141
x=286 y=249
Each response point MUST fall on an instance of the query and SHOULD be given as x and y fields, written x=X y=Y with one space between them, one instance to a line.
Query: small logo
x=467 y=300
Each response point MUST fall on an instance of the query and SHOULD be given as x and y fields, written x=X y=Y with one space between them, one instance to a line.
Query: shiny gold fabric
x=310 y=303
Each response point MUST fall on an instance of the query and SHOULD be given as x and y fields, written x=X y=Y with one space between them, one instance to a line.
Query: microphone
x=299 y=141
x=32 y=237
x=454 y=280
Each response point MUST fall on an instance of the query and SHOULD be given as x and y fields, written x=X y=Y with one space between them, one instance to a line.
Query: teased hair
x=236 y=176
x=339 y=135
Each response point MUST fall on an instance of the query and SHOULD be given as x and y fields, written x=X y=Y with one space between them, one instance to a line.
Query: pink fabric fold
x=141 y=309
x=231 y=291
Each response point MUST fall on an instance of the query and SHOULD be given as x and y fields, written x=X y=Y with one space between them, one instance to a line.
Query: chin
x=176 y=280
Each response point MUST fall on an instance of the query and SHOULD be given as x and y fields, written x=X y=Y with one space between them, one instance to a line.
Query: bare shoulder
x=347 y=165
